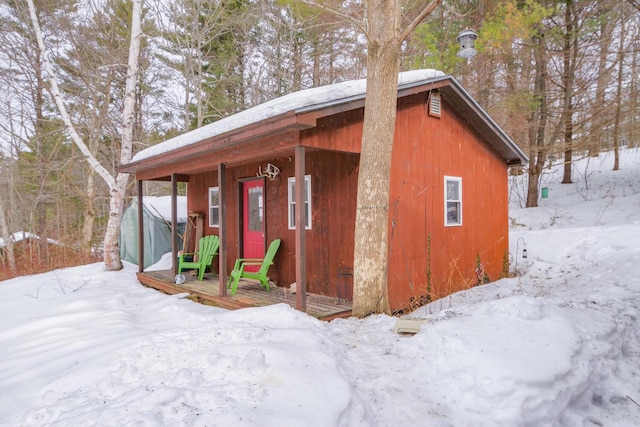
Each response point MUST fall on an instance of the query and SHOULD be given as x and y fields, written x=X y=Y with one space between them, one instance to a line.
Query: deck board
x=248 y=294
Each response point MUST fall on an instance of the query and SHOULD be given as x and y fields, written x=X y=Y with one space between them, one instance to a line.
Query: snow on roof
x=19 y=236
x=160 y=206
x=291 y=102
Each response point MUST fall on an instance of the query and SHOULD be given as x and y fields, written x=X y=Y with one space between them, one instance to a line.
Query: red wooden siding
x=333 y=184
x=426 y=149
x=334 y=178
x=342 y=132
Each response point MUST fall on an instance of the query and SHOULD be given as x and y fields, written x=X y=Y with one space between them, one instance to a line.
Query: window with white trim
x=452 y=201
x=292 y=202
x=214 y=207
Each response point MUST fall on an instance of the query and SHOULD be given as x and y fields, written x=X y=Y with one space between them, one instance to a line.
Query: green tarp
x=156 y=214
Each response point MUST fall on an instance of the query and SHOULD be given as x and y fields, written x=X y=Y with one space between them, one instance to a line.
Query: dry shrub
x=29 y=261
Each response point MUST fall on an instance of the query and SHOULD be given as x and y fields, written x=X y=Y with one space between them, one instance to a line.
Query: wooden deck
x=248 y=294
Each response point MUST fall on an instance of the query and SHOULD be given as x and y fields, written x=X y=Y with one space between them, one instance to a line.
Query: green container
x=545 y=192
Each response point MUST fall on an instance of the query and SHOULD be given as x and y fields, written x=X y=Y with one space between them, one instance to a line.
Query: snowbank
x=557 y=345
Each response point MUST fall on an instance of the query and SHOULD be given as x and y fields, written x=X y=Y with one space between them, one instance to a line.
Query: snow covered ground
x=557 y=345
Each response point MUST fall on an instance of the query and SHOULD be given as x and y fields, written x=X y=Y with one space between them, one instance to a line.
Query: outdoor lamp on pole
x=466 y=39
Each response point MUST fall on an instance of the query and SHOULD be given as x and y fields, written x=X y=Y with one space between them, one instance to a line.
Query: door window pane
x=256 y=207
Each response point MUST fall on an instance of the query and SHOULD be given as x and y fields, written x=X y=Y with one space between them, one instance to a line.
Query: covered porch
x=230 y=247
x=330 y=294
x=249 y=294
x=229 y=161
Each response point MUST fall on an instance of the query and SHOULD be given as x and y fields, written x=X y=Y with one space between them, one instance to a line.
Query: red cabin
x=448 y=215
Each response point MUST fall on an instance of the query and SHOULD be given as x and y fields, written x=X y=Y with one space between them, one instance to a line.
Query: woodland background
x=560 y=77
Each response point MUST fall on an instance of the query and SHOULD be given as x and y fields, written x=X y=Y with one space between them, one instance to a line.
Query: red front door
x=253 y=219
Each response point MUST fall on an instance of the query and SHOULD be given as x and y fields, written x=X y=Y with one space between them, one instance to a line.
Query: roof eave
x=278 y=124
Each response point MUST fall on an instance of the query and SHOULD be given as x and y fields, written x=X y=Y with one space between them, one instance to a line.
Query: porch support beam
x=140 y=229
x=301 y=249
x=222 y=229
x=174 y=223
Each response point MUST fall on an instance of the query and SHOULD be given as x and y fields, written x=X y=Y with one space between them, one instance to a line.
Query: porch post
x=222 y=229
x=174 y=222
x=140 y=229
x=301 y=249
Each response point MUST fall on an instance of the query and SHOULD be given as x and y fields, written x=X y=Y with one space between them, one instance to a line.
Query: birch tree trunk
x=117 y=185
x=112 y=259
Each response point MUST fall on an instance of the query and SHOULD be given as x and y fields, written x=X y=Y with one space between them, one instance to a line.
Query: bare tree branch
x=338 y=13
x=55 y=91
x=117 y=185
x=423 y=14
x=635 y=4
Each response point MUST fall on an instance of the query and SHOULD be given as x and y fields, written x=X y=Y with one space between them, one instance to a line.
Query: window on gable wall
x=214 y=207
x=292 y=202
x=452 y=201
